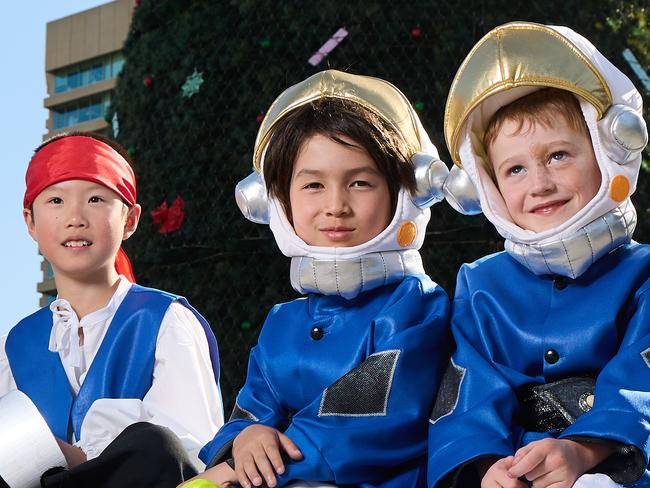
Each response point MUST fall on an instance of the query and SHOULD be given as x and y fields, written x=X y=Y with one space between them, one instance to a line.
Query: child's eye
x=55 y=200
x=313 y=185
x=515 y=170
x=558 y=156
x=95 y=199
x=359 y=183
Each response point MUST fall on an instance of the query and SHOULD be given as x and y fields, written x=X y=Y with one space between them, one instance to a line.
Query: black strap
x=555 y=405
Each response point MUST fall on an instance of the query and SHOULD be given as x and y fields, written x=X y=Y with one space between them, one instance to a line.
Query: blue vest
x=122 y=368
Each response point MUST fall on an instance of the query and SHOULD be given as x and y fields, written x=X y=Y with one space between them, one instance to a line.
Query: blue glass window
x=74 y=80
x=118 y=63
x=79 y=111
x=87 y=73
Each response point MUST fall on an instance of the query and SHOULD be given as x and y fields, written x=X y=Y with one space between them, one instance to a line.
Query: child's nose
x=337 y=203
x=75 y=217
x=542 y=179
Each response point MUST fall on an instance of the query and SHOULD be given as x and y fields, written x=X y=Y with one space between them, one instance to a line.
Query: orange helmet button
x=619 y=189
x=407 y=233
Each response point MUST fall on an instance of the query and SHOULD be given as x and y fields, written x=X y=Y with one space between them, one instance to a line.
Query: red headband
x=82 y=158
x=79 y=158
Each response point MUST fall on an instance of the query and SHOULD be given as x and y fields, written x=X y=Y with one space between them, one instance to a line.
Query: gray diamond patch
x=363 y=391
x=242 y=413
x=646 y=356
x=448 y=392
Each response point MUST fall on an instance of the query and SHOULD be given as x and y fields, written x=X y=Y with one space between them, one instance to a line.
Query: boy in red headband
x=154 y=358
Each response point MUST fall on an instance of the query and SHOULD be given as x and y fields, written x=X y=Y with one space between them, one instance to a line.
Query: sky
x=22 y=125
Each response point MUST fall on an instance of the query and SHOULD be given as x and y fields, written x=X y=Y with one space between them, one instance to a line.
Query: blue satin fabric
x=122 y=368
x=504 y=319
x=288 y=372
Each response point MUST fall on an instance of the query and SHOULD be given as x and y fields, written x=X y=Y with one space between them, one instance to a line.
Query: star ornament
x=192 y=84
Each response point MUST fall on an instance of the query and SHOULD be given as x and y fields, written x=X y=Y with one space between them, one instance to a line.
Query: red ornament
x=169 y=218
x=260 y=118
x=159 y=214
x=138 y=2
x=148 y=81
x=416 y=33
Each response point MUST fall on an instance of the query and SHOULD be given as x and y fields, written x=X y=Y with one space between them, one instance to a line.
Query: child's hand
x=72 y=454
x=497 y=475
x=258 y=450
x=556 y=462
x=221 y=474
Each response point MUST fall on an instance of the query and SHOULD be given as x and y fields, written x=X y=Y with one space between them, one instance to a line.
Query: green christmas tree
x=199 y=76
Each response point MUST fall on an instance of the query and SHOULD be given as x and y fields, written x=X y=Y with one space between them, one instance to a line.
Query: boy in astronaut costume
x=338 y=377
x=551 y=374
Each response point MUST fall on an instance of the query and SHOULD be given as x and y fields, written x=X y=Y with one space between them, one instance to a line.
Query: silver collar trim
x=573 y=255
x=349 y=277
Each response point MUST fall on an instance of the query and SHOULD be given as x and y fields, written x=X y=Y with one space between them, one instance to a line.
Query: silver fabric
x=250 y=194
x=461 y=193
x=349 y=277
x=572 y=256
x=27 y=446
x=430 y=176
x=624 y=133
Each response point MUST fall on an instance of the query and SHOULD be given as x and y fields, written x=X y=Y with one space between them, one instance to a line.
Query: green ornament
x=265 y=43
x=192 y=84
x=419 y=105
x=132 y=150
x=246 y=325
x=200 y=484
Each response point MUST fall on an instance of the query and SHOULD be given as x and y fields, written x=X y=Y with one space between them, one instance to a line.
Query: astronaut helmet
x=511 y=62
x=407 y=227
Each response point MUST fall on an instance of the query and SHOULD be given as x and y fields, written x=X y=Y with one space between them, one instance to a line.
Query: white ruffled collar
x=64 y=337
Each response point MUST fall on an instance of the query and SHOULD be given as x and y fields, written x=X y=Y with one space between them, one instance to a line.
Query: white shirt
x=183 y=396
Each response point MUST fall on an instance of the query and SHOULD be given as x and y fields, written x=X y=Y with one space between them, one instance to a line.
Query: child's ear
x=131 y=222
x=28 y=216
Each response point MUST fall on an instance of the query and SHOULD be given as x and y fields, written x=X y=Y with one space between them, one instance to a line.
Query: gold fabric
x=375 y=94
x=520 y=54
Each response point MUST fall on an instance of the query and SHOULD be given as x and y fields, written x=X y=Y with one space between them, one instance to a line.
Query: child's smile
x=76 y=243
x=549 y=208
x=338 y=233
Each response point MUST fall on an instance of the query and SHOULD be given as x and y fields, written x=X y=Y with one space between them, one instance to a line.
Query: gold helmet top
x=514 y=55
x=375 y=94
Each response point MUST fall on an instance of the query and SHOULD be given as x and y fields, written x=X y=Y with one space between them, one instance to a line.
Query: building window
x=87 y=73
x=81 y=110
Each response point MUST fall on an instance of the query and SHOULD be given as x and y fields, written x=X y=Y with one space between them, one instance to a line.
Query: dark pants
x=143 y=455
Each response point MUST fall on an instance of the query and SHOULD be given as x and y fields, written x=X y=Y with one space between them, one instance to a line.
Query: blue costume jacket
x=513 y=329
x=122 y=368
x=350 y=382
